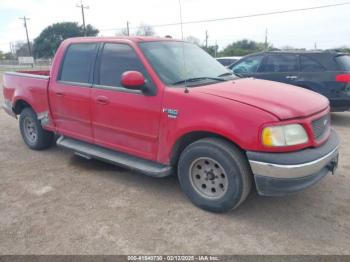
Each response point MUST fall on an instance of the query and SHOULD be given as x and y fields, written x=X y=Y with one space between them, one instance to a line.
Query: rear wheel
x=32 y=132
x=214 y=174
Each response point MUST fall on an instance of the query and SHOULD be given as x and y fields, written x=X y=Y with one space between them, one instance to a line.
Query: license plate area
x=333 y=164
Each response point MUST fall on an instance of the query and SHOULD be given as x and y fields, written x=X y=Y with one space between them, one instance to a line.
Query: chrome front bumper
x=281 y=173
x=293 y=171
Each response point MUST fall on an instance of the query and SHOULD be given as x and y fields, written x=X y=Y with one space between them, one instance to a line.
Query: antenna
x=183 y=47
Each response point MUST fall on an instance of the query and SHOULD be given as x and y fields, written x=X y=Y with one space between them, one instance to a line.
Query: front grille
x=320 y=126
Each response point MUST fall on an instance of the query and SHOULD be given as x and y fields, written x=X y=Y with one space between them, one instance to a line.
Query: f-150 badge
x=172 y=113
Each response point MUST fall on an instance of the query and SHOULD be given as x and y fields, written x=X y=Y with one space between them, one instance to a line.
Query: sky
x=328 y=28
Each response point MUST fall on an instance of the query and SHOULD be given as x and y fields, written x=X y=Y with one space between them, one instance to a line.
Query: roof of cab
x=129 y=38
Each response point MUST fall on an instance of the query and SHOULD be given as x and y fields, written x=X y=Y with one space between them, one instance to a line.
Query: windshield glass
x=344 y=60
x=175 y=62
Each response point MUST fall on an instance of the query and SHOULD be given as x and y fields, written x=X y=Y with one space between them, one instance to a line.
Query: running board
x=89 y=151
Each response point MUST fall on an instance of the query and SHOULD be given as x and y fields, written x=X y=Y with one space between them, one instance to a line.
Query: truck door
x=69 y=94
x=123 y=119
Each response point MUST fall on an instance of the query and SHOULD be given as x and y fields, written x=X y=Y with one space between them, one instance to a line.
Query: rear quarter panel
x=32 y=90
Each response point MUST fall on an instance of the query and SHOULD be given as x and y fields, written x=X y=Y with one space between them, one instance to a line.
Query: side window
x=78 y=63
x=115 y=60
x=309 y=65
x=280 y=63
x=248 y=65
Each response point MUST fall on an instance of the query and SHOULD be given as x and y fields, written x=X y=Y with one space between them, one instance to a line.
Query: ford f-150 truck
x=164 y=106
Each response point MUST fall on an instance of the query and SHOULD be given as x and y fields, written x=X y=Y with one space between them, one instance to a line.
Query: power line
x=243 y=16
x=82 y=14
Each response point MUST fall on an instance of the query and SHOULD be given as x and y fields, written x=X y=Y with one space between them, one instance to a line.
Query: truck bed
x=29 y=86
x=34 y=72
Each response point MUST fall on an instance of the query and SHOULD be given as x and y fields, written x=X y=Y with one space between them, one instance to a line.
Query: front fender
x=237 y=122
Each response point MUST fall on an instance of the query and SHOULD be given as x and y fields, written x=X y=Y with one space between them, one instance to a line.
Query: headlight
x=287 y=135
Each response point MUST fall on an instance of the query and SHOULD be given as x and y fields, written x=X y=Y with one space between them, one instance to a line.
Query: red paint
x=344 y=78
x=39 y=72
x=132 y=79
x=138 y=124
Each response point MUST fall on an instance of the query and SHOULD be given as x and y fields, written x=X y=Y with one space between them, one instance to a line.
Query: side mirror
x=133 y=80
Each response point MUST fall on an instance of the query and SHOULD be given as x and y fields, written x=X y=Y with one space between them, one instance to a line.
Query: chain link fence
x=14 y=65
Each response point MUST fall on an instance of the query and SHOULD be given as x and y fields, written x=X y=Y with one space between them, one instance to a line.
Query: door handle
x=291 y=77
x=59 y=93
x=102 y=100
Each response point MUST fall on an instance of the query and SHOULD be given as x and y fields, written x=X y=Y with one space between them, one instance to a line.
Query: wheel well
x=189 y=138
x=19 y=106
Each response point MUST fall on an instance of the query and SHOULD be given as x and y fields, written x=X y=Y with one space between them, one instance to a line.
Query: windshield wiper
x=226 y=74
x=196 y=79
x=231 y=74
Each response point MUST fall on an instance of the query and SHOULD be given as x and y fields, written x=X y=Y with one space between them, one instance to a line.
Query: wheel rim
x=208 y=178
x=30 y=130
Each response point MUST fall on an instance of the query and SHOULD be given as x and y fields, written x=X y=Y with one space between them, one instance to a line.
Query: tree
x=291 y=48
x=145 y=30
x=46 y=44
x=192 y=39
x=6 y=56
x=21 y=48
x=211 y=50
x=122 y=32
x=343 y=49
x=245 y=47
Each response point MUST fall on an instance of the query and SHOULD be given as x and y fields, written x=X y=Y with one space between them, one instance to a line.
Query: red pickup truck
x=163 y=106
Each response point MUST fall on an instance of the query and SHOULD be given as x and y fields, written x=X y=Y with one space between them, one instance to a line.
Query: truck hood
x=282 y=100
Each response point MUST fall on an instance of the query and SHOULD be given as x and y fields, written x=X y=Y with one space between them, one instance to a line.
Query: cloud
x=327 y=27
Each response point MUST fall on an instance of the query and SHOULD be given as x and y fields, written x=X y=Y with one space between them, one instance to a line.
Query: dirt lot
x=52 y=202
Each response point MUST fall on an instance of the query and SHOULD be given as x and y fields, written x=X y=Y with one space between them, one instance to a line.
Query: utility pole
x=266 y=40
x=11 y=51
x=82 y=14
x=206 y=38
x=216 y=48
x=25 y=26
x=315 y=46
x=127 y=28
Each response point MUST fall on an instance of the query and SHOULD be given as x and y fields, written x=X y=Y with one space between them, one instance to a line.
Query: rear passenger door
x=282 y=68
x=69 y=94
x=315 y=77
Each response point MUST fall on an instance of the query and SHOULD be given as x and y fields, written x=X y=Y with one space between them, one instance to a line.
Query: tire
x=221 y=167
x=32 y=132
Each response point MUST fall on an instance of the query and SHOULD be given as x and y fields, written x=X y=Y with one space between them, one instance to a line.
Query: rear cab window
x=78 y=63
x=344 y=62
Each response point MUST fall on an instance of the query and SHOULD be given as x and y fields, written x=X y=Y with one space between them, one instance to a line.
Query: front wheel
x=32 y=132
x=214 y=174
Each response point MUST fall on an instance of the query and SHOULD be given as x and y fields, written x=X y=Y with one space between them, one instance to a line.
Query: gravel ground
x=52 y=202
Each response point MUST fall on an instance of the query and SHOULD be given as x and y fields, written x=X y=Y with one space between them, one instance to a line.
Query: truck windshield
x=179 y=62
x=344 y=60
